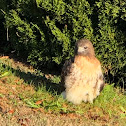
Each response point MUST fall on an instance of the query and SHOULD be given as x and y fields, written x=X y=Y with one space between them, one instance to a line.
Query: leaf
x=11 y=111
x=38 y=102
x=4 y=74
x=31 y=104
x=122 y=109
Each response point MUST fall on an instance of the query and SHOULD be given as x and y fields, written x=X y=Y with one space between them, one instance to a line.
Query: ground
x=30 y=97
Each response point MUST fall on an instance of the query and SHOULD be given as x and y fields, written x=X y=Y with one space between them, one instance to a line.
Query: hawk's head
x=84 y=47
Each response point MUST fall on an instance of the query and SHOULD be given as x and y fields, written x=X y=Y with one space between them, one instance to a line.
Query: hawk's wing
x=66 y=70
x=99 y=85
x=101 y=81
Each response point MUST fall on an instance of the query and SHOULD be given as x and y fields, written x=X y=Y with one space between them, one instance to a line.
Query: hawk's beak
x=80 y=49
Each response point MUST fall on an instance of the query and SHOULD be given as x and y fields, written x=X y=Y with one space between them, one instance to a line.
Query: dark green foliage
x=111 y=37
x=2 y=30
x=45 y=31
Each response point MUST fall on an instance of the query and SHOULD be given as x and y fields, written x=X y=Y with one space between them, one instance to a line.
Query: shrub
x=45 y=32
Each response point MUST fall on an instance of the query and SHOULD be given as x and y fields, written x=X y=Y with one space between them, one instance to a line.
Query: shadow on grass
x=52 y=71
x=37 y=80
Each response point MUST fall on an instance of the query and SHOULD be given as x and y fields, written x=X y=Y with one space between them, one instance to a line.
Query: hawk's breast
x=85 y=71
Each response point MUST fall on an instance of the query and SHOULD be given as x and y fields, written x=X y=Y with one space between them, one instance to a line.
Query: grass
x=29 y=97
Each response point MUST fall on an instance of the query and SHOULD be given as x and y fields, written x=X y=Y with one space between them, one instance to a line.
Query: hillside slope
x=30 y=97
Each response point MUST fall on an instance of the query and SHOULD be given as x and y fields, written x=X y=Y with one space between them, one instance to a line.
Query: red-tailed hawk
x=82 y=75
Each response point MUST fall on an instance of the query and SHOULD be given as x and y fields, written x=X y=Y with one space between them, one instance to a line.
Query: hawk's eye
x=85 y=47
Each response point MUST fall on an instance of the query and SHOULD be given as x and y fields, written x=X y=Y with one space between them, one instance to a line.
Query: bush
x=45 y=32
